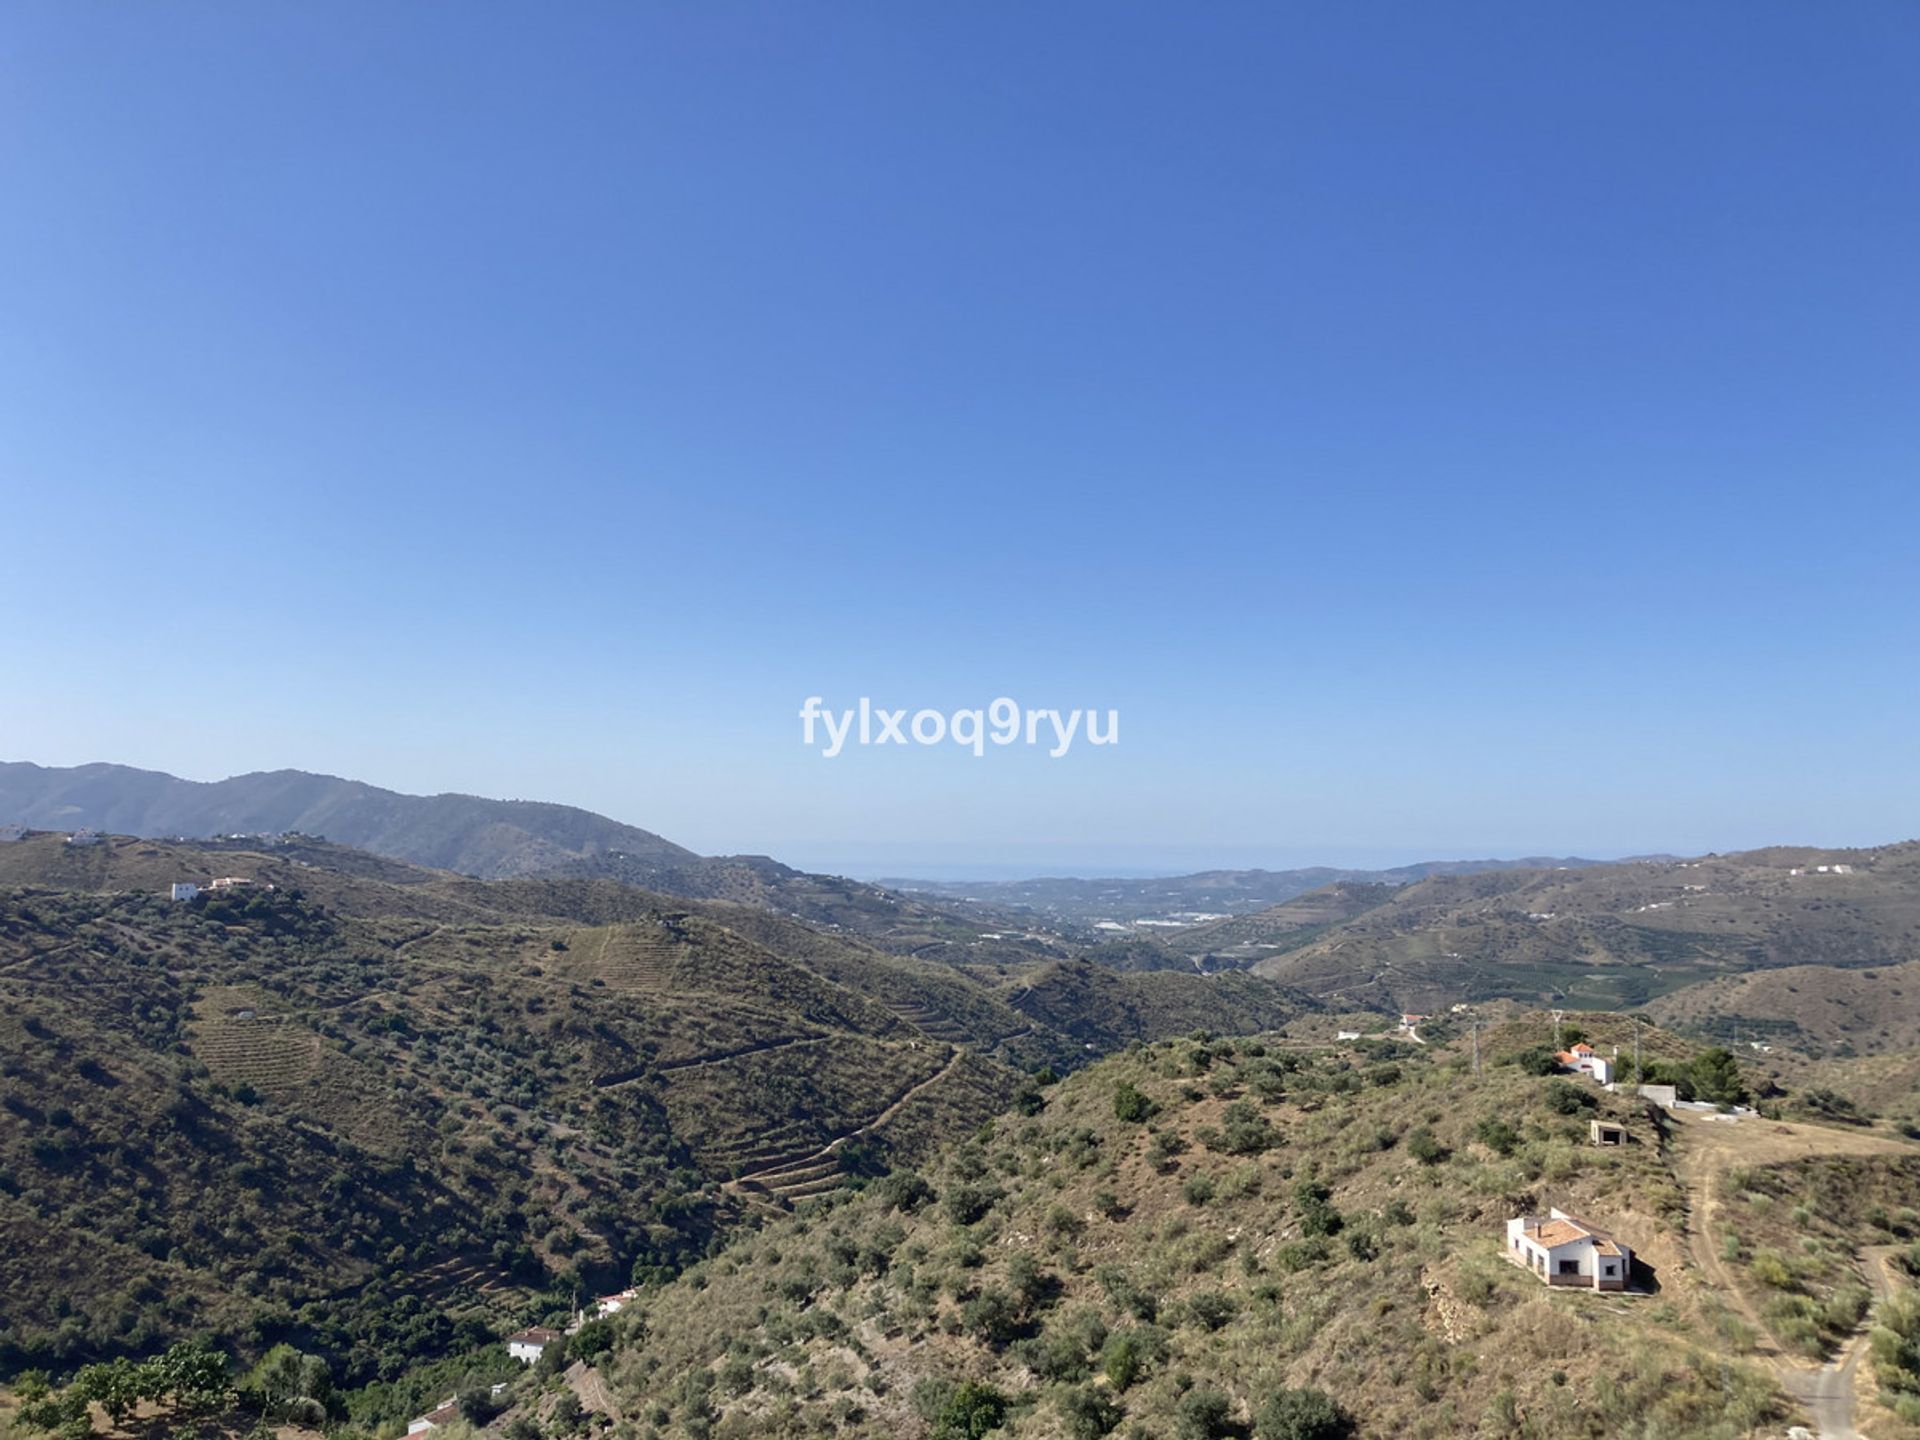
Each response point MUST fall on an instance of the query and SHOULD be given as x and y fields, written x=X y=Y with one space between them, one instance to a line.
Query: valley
x=382 y=1113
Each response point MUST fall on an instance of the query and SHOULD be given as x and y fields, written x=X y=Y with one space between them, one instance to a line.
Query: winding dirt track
x=1708 y=1147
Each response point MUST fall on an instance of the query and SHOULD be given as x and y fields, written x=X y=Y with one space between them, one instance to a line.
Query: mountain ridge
x=471 y=834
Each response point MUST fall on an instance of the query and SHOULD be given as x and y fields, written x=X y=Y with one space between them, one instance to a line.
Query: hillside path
x=1707 y=1148
x=832 y=1147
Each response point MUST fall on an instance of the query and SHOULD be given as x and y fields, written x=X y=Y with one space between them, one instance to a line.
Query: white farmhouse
x=185 y=890
x=529 y=1345
x=614 y=1304
x=1585 y=1060
x=1561 y=1250
x=84 y=837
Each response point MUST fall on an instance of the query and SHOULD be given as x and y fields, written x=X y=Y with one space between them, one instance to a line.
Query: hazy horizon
x=933 y=861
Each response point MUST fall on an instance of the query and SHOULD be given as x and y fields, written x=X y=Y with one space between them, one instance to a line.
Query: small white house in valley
x=1561 y=1250
x=529 y=1345
x=613 y=1304
x=1585 y=1060
x=185 y=890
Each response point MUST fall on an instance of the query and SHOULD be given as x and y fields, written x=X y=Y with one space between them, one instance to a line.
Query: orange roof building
x=1560 y=1249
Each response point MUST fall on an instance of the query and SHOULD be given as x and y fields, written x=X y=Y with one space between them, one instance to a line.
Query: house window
x=1569 y=1267
x=1607 y=1269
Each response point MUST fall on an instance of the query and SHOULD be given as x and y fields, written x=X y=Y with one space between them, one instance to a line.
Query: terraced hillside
x=372 y=1109
x=1228 y=1238
x=1245 y=939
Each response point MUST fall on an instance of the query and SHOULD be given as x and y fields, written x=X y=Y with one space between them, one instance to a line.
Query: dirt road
x=1706 y=1147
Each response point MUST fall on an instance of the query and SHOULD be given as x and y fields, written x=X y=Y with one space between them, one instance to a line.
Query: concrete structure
x=1561 y=1250
x=529 y=1345
x=1605 y=1132
x=445 y=1413
x=1585 y=1060
x=84 y=837
x=1665 y=1096
x=228 y=882
x=184 y=890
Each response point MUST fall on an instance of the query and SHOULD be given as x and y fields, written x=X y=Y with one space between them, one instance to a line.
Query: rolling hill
x=1612 y=935
x=288 y=810
x=374 y=1108
x=1236 y=1238
x=1072 y=901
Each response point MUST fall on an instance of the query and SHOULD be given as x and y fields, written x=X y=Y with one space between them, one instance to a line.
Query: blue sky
x=1438 y=430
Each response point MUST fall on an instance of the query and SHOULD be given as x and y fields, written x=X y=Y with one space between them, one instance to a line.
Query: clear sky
x=1439 y=430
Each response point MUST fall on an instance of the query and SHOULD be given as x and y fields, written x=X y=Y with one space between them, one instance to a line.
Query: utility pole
x=1557 y=1015
x=1476 y=1044
x=1636 y=1049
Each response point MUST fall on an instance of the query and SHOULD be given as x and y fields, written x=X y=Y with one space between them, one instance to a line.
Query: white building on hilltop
x=1585 y=1060
x=1560 y=1250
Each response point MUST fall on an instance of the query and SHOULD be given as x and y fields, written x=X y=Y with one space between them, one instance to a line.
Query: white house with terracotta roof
x=613 y=1304
x=1583 y=1059
x=529 y=1345
x=1561 y=1250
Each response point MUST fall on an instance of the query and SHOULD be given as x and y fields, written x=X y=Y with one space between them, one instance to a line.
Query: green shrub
x=1497 y=1135
x=1132 y=1106
x=1565 y=1098
x=1204 y=1413
x=973 y=1410
x=1304 y=1414
x=993 y=1316
x=1088 y=1414
x=1128 y=1353
x=1211 y=1309
x=967 y=1201
x=1770 y=1267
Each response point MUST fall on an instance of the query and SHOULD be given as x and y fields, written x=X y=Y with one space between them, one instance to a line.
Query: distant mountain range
x=1214 y=892
x=484 y=839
